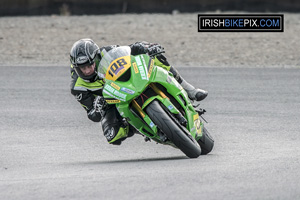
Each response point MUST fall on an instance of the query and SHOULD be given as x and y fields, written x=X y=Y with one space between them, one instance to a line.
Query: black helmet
x=83 y=53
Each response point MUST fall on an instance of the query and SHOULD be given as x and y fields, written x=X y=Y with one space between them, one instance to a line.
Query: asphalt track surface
x=50 y=150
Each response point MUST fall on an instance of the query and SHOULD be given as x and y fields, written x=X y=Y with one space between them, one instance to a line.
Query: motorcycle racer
x=87 y=84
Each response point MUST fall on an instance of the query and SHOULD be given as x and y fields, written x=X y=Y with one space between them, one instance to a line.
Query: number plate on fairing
x=117 y=68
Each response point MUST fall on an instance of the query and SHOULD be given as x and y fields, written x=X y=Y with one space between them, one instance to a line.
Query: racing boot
x=193 y=93
x=114 y=128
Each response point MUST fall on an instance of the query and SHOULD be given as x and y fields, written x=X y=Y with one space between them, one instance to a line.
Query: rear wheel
x=206 y=142
x=174 y=131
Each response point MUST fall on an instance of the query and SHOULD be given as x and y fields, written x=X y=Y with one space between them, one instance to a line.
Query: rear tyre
x=175 y=132
x=206 y=142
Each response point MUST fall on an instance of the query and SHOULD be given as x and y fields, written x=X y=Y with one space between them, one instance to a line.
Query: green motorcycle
x=151 y=100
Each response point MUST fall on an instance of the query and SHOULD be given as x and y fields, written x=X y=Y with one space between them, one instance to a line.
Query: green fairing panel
x=140 y=78
x=162 y=77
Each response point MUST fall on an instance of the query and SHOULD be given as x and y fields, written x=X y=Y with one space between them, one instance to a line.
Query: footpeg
x=201 y=111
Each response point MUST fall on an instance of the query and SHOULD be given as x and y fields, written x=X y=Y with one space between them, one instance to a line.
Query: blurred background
x=41 y=32
x=96 y=7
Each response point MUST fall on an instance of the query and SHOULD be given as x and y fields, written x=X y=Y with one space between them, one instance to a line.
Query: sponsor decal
x=114 y=93
x=119 y=69
x=115 y=86
x=170 y=107
x=150 y=68
x=141 y=67
x=111 y=101
x=78 y=97
x=151 y=124
x=143 y=59
x=197 y=123
x=129 y=91
x=135 y=68
x=81 y=59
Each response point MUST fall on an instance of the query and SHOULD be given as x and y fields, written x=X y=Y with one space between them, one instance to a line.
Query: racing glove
x=145 y=47
x=100 y=104
x=98 y=110
x=155 y=49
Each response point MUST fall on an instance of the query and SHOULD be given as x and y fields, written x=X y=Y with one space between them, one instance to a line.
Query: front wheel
x=174 y=131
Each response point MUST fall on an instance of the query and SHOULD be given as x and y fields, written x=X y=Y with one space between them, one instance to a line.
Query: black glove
x=139 y=48
x=146 y=47
x=100 y=105
x=155 y=49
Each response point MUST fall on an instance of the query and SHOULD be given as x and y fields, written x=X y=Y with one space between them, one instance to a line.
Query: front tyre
x=206 y=142
x=175 y=132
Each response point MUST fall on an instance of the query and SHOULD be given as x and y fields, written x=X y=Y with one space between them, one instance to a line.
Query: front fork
x=164 y=100
x=177 y=114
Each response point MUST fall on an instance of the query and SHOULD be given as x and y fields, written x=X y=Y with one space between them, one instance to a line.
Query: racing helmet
x=84 y=53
